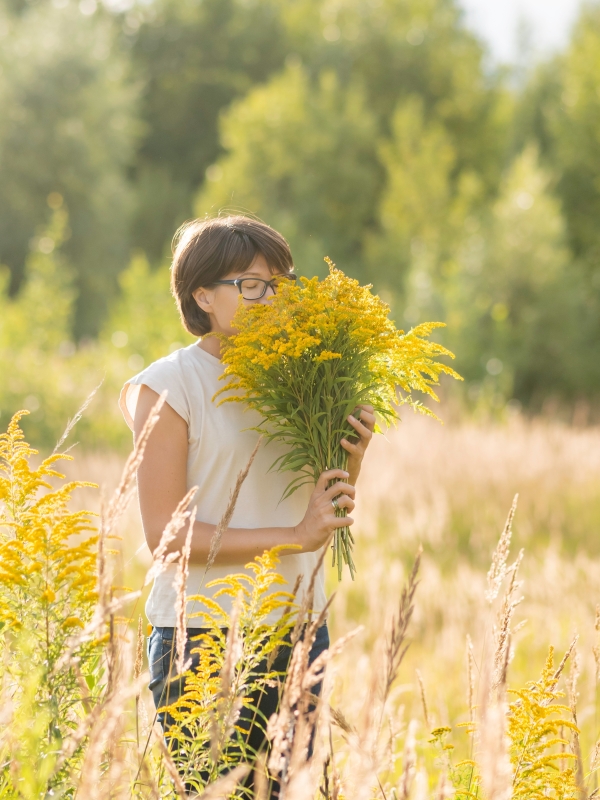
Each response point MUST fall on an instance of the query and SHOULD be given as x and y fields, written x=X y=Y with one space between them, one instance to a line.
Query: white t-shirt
x=219 y=446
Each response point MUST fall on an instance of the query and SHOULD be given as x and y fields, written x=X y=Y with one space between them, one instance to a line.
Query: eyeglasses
x=255 y=288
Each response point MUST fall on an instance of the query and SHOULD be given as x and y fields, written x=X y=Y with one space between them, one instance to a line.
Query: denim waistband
x=170 y=630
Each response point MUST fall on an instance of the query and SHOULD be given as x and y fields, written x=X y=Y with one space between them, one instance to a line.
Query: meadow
x=379 y=133
x=447 y=489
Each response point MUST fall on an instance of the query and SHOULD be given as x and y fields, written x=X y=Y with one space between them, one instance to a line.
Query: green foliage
x=36 y=324
x=421 y=212
x=395 y=49
x=464 y=774
x=367 y=131
x=40 y=317
x=194 y=59
x=280 y=140
x=144 y=322
x=53 y=376
x=513 y=315
x=573 y=121
x=308 y=151
x=560 y=110
x=67 y=131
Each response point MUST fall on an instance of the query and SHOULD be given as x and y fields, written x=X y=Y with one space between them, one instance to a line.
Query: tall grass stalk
x=72 y=716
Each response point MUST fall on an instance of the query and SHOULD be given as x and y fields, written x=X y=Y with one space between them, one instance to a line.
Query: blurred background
x=447 y=153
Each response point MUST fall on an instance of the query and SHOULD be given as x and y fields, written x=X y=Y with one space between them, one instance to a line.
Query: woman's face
x=221 y=302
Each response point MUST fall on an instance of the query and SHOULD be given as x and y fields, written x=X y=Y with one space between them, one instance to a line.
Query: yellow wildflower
x=205 y=705
x=72 y=622
x=326 y=355
x=47 y=571
x=536 y=727
x=315 y=352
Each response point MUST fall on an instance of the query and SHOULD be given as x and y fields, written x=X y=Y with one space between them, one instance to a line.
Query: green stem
x=343 y=539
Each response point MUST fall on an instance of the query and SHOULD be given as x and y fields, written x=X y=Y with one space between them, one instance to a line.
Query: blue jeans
x=161 y=658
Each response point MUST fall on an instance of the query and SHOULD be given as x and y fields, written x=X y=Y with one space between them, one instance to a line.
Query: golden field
x=449 y=488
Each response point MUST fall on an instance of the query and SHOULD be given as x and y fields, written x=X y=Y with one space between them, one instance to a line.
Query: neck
x=211 y=345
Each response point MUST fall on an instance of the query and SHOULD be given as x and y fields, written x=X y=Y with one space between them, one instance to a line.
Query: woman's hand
x=320 y=520
x=356 y=447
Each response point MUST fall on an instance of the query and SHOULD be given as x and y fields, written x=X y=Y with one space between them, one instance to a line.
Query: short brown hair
x=205 y=250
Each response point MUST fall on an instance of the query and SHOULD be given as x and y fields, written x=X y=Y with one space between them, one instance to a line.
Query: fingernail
x=347 y=474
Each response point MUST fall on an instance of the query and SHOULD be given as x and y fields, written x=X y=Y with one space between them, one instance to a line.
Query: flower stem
x=343 y=540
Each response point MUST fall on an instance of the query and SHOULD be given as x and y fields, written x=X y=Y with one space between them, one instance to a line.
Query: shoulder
x=171 y=374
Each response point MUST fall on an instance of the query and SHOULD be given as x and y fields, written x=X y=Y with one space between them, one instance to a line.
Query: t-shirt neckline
x=204 y=356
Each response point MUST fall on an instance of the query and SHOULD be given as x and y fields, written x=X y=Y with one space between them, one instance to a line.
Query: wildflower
x=48 y=592
x=227 y=656
x=310 y=356
x=47 y=577
x=534 y=730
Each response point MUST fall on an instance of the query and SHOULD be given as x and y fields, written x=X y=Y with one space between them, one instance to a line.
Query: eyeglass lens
x=255 y=288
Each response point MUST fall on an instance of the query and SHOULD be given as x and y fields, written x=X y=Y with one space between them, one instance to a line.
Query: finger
x=363 y=430
x=341 y=522
x=346 y=502
x=368 y=420
x=363 y=417
x=339 y=488
x=354 y=449
x=367 y=414
x=366 y=407
x=329 y=475
x=342 y=501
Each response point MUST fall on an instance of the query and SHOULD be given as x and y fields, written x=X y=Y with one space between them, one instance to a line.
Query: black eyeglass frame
x=238 y=282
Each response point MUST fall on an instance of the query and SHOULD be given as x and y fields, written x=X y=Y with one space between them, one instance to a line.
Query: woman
x=199 y=443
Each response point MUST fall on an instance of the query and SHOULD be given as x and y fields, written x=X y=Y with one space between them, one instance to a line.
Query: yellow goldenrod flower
x=72 y=622
x=315 y=352
x=47 y=579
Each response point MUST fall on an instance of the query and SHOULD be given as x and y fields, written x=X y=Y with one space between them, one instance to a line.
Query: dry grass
x=449 y=488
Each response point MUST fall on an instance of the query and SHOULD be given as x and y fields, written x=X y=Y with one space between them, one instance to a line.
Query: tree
x=560 y=110
x=576 y=128
x=193 y=59
x=66 y=134
x=378 y=56
x=421 y=214
x=301 y=156
x=396 y=49
x=196 y=58
x=517 y=316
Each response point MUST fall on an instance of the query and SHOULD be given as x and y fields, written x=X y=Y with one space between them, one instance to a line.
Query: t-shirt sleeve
x=160 y=376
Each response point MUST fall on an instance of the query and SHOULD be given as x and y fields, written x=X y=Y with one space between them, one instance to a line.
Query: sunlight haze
x=548 y=23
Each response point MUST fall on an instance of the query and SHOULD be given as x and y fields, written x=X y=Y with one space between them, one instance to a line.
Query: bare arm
x=162 y=484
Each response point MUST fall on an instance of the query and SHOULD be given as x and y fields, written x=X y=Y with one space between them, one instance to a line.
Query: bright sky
x=497 y=22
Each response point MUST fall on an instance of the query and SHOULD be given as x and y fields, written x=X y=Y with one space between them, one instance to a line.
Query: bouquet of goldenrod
x=310 y=356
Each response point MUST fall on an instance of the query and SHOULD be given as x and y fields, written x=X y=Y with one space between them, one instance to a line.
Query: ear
x=204 y=299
